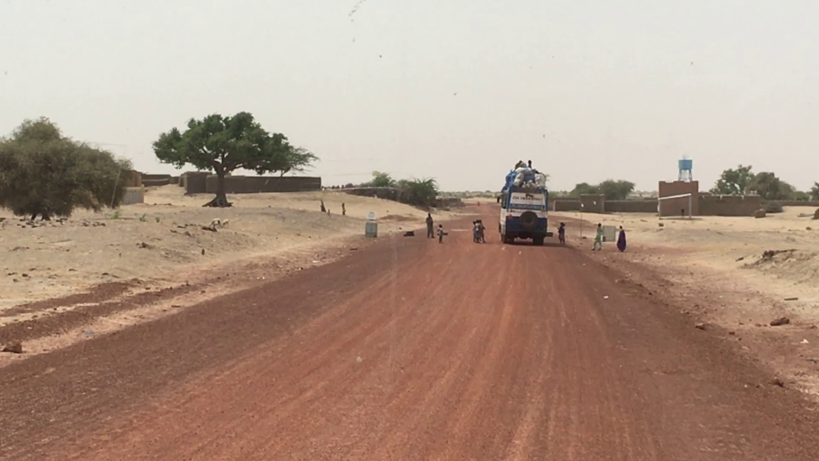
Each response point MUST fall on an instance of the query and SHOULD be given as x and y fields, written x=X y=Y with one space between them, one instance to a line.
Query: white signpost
x=371 y=226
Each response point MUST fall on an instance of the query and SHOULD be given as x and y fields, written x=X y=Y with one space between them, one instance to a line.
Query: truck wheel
x=538 y=241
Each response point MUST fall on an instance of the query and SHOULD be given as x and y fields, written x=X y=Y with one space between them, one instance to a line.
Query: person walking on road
x=561 y=233
x=441 y=233
x=430 y=223
x=621 y=240
x=598 y=238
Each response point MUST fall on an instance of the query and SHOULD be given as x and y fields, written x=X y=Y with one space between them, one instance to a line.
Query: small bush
x=773 y=207
x=418 y=192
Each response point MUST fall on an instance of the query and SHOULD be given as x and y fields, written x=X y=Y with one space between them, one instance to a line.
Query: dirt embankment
x=734 y=275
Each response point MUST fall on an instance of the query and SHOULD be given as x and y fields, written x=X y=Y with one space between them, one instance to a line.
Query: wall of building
x=729 y=205
x=565 y=205
x=796 y=203
x=194 y=182
x=631 y=206
x=610 y=206
x=133 y=195
x=132 y=178
x=155 y=180
x=257 y=184
x=675 y=207
x=387 y=193
x=593 y=203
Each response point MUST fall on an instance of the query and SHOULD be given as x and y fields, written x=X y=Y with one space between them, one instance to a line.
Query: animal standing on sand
x=217 y=223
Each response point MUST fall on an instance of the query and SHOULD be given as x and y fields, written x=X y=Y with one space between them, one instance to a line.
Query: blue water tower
x=686 y=165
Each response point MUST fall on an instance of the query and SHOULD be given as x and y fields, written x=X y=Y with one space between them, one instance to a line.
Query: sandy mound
x=165 y=239
x=798 y=266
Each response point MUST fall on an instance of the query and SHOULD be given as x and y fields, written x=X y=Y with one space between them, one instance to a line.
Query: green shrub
x=43 y=173
x=773 y=207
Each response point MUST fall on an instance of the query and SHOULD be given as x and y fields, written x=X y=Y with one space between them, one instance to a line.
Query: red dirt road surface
x=411 y=350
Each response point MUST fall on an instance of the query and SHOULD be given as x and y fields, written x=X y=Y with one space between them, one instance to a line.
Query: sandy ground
x=411 y=350
x=162 y=241
x=715 y=269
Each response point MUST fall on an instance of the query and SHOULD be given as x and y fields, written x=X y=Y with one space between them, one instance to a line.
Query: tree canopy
x=584 y=189
x=734 y=181
x=43 y=173
x=381 y=179
x=613 y=190
x=419 y=192
x=814 y=192
x=223 y=144
x=768 y=186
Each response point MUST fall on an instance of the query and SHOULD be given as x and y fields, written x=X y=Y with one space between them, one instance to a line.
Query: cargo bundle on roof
x=525 y=177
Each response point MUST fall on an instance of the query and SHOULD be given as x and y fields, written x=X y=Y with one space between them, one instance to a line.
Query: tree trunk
x=220 y=201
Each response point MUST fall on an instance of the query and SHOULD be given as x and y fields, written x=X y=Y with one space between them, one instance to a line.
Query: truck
x=524 y=212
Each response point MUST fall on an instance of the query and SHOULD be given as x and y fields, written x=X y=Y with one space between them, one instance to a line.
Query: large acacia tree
x=225 y=144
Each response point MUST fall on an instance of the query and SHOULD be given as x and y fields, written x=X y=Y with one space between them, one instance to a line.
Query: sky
x=457 y=90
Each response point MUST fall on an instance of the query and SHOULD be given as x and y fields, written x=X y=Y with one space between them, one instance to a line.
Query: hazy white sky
x=458 y=90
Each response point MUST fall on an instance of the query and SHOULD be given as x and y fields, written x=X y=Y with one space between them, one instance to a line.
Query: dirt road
x=411 y=350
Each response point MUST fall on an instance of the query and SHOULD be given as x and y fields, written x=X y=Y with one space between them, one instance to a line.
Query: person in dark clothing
x=561 y=233
x=430 y=223
x=621 y=240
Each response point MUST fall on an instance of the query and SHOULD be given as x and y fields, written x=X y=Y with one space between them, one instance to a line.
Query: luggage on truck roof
x=524 y=176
